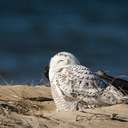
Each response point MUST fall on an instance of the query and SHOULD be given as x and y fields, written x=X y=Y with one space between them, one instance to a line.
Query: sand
x=23 y=106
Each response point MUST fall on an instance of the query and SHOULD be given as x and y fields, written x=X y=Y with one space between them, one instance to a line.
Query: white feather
x=75 y=87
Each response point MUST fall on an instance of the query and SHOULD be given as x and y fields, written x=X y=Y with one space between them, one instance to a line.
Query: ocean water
x=33 y=31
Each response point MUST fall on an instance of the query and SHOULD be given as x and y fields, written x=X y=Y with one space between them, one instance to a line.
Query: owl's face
x=61 y=60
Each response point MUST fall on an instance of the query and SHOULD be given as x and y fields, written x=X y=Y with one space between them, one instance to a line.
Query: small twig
x=39 y=99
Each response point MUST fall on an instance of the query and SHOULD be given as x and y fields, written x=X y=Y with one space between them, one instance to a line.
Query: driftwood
x=46 y=71
x=119 y=83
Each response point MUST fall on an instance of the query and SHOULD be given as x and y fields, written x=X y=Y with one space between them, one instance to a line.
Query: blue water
x=33 y=31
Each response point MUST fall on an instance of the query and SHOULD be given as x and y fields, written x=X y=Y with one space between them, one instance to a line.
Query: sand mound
x=33 y=107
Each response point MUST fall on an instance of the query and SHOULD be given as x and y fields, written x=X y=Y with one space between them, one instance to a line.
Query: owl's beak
x=46 y=71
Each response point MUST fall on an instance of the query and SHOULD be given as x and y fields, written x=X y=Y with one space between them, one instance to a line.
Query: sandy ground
x=33 y=107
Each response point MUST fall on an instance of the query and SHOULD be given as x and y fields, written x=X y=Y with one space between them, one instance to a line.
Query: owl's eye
x=60 y=61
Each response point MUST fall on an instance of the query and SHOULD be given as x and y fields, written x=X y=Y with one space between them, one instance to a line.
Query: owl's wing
x=78 y=82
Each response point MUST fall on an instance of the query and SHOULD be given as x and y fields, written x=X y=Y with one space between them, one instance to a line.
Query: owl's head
x=61 y=60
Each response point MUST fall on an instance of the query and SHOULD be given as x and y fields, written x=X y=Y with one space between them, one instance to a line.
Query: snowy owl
x=75 y=87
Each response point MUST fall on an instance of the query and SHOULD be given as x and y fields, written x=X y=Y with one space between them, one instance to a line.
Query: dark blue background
x=31 y=31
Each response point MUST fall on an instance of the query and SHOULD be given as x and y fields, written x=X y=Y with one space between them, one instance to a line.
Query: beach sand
x=23 y=106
